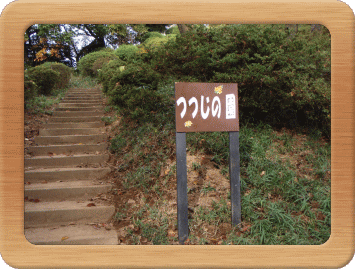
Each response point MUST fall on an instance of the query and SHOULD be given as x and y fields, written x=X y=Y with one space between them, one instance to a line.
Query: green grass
x=275 y=191
x=285 y=182
x=43 y=104
x=108 y=119
x=207 y=189
x=80 y=82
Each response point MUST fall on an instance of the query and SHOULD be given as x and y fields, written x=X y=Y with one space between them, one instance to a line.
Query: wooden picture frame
x=19 y=15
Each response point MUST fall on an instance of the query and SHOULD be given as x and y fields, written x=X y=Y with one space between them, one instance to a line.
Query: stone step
x=75 y=119
x=69 y=109
x=65 y=161
x=71 y=94
x=84 y=90
x=97 y=124
x=78 y=104
x=84 y=96
x=66 y=149
x=62 y=199
x=72 y=235
x=76 y=114
x=71 y=131
x=65 y=174
x=70 y=139
x=75 y=190
x=92 y=102
x=81 y=98
x=44 y=214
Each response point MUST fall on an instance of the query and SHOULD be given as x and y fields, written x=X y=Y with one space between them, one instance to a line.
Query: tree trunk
x=183 y=28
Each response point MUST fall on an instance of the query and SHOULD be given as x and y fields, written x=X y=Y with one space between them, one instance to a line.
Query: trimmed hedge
x=283 y=78
x=92 y=62
x=155 y=42
x=44 y=77
x=47 y=77
x=65 y=73
x=107 y=72
x=127 y=52
x=134 y=90
x=31 y=89
x=151 y=35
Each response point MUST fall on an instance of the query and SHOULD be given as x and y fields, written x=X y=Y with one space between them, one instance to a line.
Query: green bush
x=126 y=52
x=44 y=77
x=138 y=103
x=107 y=72
x=173 y=30
x=155 y=40
x=282 y=78
x=153 y=43
x=117 y=144
x=137 y=75
x=31 y=89
x=65 y=73
x=135 y=90
x=151 y=35
x=92 y=62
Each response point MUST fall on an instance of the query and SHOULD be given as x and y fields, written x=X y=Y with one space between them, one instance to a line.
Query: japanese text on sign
x=206 y=107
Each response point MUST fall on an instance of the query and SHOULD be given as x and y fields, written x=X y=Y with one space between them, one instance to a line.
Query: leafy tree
x=183 y=28
x=97 y=34
x=68 y=43
x=47 y=43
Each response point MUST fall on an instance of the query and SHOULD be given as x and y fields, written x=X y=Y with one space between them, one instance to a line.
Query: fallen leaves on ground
x=245 y=228
x=320 y=216
x=314 y=204
x=171 y=233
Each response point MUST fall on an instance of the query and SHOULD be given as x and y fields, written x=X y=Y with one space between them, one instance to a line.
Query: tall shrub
x=282 y=78
x=31 y=89
x=107 y=72
x=65 y=73
x=127 y=52
x=134 y=90
x=44 y=77
x=92 y=62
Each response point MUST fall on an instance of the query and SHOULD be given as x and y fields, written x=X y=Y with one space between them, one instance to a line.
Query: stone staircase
x=63 y=190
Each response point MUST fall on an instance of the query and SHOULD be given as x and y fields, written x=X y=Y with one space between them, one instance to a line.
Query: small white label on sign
x=230 y=106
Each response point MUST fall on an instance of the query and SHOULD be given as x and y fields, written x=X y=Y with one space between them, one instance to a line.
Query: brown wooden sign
x=206 y=107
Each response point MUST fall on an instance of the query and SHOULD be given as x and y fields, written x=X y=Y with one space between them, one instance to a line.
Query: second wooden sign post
x=206 y=107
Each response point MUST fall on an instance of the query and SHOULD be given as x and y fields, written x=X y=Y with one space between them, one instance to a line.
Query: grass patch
x=83 y=82
x=285 y=184
x=44 y=104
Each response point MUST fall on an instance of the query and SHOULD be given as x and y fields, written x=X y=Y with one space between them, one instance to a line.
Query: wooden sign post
x=206 y=107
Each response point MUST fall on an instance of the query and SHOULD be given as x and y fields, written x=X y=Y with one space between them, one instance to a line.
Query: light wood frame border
x=19 y=15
